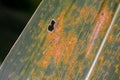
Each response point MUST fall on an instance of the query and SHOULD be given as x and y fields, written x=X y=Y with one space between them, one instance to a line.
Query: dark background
x=14 y=15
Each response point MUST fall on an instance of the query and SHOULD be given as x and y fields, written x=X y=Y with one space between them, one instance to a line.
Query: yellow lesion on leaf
x=85 y=11
x=36 y=78
x=32 y=72
x=117 y=68
x=101 y=59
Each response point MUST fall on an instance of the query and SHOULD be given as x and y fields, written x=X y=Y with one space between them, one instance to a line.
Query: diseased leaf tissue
x=83 y=43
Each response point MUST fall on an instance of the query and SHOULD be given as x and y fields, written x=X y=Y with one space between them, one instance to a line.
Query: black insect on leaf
x=51 y=25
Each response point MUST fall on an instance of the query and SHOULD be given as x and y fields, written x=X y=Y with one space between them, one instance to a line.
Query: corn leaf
x=68 y=40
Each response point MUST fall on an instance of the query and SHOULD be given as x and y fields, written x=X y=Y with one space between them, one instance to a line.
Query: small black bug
x=51 y=25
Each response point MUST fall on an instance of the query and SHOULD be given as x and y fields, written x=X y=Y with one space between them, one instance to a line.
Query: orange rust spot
x=44 y=62
x=42 y=25
x=85 y=11
x=89 y=56
x=80 y=64
x=49 y=77
x=95 y=0
x=68 y=78
x=110 y=39
x=35 y=78
x=59 y=22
